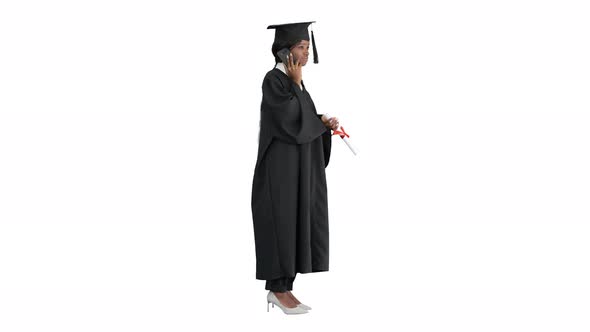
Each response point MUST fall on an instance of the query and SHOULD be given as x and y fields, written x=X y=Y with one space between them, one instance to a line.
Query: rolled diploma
x=345 y=139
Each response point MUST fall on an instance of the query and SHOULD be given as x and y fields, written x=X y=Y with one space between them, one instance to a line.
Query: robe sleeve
x=326 y=142
x=289 y=115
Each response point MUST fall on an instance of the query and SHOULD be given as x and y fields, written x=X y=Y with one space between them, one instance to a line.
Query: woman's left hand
x=332 y=123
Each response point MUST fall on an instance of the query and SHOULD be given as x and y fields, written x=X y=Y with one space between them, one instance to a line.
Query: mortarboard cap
x=287 y=35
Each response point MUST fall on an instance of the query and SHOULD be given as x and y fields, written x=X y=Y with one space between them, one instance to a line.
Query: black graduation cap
x=286 y=35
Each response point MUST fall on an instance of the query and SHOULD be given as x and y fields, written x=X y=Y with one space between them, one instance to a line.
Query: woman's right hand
x=332 y=123
x=293 y=69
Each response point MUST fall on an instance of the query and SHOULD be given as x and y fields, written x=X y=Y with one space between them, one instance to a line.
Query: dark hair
x=277 y=46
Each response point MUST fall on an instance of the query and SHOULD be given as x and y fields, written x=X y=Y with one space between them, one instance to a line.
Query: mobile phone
x=283 y=55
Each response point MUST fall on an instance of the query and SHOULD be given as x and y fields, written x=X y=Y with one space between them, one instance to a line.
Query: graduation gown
x=289 y=193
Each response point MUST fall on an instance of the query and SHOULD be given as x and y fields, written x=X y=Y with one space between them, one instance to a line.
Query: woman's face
x=301 y=51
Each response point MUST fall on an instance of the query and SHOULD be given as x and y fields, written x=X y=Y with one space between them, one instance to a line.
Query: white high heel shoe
x=272 y=298
x=306 y=307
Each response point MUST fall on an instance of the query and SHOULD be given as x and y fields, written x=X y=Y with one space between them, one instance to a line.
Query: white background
x=128 y=138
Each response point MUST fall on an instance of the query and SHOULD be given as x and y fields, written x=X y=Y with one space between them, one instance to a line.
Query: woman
x=289 y=193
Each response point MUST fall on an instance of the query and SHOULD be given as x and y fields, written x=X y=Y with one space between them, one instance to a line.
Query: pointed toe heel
x=272 y=298
x=306 y=307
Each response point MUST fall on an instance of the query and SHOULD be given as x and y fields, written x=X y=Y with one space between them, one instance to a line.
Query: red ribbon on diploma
x=341 y=133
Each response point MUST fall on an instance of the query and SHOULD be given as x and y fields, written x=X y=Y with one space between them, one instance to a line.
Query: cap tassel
x=315 y=51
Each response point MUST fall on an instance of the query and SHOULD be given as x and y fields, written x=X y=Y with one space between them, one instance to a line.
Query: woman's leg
x=279 y=285
x=290 y=288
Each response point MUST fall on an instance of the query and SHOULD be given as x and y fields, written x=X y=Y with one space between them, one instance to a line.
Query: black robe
x=289 y=192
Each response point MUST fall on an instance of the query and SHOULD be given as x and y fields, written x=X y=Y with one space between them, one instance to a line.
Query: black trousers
x=280 y=284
